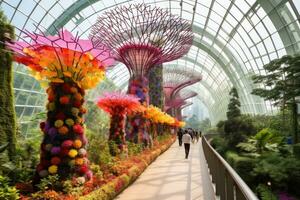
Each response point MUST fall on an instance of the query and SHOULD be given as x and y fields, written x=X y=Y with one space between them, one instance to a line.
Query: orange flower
x=63 y=130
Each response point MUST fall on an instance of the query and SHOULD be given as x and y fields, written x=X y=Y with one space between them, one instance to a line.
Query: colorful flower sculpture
x=156 y=117
x=70 y=66
x=118 y=105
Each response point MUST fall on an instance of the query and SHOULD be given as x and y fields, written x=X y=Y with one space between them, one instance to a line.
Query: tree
x=282 y=86
x=7 y=110
x=234 y=105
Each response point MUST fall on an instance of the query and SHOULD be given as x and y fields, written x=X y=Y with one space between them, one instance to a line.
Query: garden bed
x=113 y=180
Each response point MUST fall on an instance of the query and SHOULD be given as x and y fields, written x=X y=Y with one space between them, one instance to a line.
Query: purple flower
x=55 y=150
x=52 y=132
x=47 y=126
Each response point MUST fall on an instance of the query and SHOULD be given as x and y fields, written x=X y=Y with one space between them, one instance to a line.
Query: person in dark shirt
x=180 y=134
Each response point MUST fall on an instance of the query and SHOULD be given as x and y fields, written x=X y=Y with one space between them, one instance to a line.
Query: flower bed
x=129 y=175
x=113 y=181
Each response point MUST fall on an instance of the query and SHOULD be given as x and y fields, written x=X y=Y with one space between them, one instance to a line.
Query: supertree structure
x=179 y=99
x=142 y=37
x=176 y=79
x=179 y=110
x=118 y=105
x=67 y=66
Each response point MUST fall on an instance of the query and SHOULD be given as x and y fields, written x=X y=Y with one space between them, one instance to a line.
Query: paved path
x=171 y=177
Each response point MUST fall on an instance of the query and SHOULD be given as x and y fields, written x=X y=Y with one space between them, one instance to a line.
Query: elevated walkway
x=172 y=177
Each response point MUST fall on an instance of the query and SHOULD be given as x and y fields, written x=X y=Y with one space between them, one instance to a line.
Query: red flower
x=39 y=167
x=77 y=104
x=64 y=152
x=60 y=116
x=55 y=160
x=64 y=100
x=67 y=144
x=51 y=97
x=83 y=169
x=42 y=125
x=78 y=129
x=66 y=88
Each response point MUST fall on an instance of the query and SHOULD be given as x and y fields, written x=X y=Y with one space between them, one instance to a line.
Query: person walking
x=197 y=135
x=179 y=135
x=186 y=139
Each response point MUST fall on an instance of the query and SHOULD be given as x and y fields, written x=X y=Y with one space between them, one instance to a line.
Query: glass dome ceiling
x=233 y=40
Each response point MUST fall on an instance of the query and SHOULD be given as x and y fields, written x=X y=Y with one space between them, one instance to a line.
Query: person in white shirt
x=186 y=139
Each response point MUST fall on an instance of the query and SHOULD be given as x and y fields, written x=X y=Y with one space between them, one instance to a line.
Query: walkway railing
x=229 y=185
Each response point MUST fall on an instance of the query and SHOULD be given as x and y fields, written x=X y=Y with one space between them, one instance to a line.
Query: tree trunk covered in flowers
x=117 y=143
x=63 y=149
x=156 y=94
x=137 y=132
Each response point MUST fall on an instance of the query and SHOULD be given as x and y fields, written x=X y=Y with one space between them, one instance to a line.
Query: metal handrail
x=229 y=185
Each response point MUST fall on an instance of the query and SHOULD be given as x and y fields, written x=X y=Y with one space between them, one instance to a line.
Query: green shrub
x=220 y=127
x=243 y=165
x=7 y=192
x=265 y=193
x=69 y=188
x=134 y=149
x=296 y=150
x=271 y=167
x=50 y=183
x=219 y=144
x=96 y=170
x=98 y=149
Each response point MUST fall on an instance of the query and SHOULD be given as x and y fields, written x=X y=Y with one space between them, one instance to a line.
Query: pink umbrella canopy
x=119 y=103
x=64 y=40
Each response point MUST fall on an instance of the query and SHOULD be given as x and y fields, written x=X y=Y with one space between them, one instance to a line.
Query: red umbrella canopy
x=119 y=103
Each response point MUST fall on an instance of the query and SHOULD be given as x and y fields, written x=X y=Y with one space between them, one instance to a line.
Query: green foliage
x=296 y=150
x=3 y=147
x=242 y=164
x=219 y=144
x=96 y=170
x=220 y=127
x=7 y=192
x=50 y=183
x=7 y=110
x=98 y=148
x=236 y=130
x=134 y=149
x=283 y=81
x=265 y=140
x=69 y=188
x=234 y=105
x=113 y=148
x=96 y=119
x=265 y=193
x=270 y=167
x=26 y=159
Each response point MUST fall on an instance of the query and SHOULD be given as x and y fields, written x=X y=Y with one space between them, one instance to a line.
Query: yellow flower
x=74 y=111
x=73 y=153
x=58 y=123
x=70 y=122
x=53 y=169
